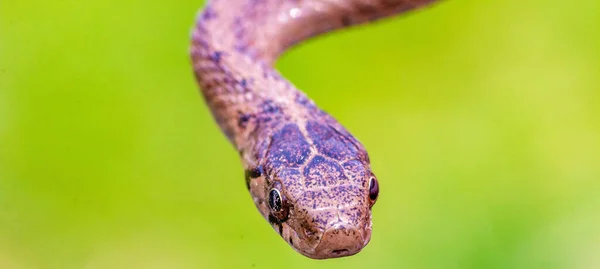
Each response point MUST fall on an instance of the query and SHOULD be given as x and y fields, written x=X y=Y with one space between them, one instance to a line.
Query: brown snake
x=308 y=176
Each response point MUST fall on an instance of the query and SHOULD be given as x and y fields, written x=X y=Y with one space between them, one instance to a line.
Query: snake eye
x=373 y=189
x=275 y=200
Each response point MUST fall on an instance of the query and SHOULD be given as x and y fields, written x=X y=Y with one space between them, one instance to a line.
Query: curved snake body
x=308 y=176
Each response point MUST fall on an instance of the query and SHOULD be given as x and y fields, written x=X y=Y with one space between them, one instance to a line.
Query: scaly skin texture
x=308 y=176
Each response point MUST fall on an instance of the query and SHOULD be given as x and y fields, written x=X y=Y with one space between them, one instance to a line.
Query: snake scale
x=308 y=176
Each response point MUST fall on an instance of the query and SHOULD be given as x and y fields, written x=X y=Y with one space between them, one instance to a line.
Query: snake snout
x=340 y=241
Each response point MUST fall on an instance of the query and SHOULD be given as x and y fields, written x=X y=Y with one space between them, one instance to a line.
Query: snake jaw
x=341 y=239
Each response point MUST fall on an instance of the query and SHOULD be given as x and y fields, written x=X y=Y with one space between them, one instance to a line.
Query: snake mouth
x=339 y=252
x=340 y=241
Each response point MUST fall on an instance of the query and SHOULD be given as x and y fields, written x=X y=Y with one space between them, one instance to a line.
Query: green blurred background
x=482 y=120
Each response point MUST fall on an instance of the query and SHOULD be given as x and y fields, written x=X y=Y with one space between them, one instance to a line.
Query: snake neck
x=235 y=43
x=233 y=65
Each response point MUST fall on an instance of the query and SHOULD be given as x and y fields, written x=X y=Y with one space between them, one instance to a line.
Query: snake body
x=308 y=176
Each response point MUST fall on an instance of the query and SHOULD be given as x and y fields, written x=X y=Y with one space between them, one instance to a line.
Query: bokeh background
x=482 y=119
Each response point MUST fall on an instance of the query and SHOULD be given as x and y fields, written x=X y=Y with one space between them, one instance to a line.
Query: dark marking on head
x=246 y=82
x=275 y=221
x=288 y=148
x=243 y=119
x=216 y=56
x=321 y=172
x=252 y=173
x=321 y=218
x=209 y=14
x=356 y=172
x=268 y=106
x=255 y=172
x=291 y=240
x=302 y=100
x=362 y=153
x=347 y=194
x=331 y=143
x=265 y=119
x=241 y=48
x=292 y=180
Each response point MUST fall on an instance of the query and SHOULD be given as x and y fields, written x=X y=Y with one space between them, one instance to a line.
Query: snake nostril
x=339 y=251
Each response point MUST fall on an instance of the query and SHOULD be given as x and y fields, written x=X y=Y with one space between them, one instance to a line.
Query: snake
x=307 y=175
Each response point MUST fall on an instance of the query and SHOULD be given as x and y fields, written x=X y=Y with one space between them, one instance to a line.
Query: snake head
x=317 y=190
